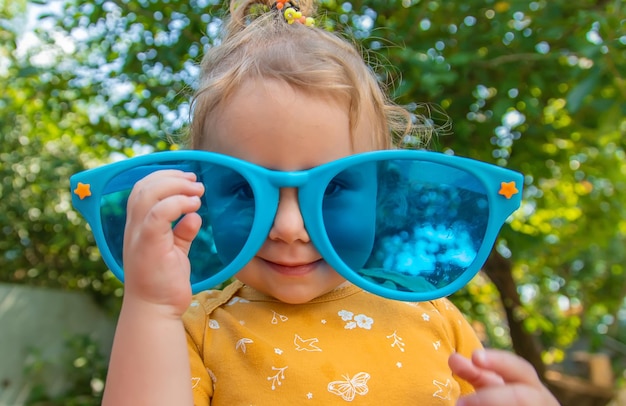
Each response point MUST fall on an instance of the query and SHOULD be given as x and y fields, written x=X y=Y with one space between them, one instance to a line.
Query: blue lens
x=113 y=218
x=349 y=213
x=227 y=213
x=227 y=217
x=410 y=225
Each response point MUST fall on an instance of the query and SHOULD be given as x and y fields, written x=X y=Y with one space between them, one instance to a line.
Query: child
x=283 y=95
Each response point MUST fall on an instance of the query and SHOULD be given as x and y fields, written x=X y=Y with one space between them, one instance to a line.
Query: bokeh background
x=535 y=86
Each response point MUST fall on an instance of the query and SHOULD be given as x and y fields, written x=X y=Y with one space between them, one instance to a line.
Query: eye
x=243 y=190
x=333 y=188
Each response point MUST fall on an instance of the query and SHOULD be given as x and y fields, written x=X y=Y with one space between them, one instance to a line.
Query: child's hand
x=156 y=266
x=500 y=377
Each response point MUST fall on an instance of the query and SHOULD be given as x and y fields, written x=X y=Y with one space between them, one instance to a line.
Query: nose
x=288 y=224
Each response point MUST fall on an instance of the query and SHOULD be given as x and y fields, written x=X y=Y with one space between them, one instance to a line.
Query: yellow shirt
x=247 y=348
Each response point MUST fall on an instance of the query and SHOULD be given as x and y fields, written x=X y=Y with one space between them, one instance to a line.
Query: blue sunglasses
x=406 y=225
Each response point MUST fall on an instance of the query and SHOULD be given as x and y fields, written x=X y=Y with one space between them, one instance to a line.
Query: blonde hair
x=262 y=45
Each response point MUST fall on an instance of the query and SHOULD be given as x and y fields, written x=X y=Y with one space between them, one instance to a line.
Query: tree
x=46 y=136
x=538 y=86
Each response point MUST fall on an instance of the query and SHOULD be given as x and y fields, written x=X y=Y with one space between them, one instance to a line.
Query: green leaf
x=576 y=97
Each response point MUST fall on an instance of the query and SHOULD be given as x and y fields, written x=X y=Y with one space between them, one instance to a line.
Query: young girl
x=284 y=95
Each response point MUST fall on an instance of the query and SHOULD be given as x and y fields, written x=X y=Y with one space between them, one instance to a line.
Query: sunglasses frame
x=503 y=191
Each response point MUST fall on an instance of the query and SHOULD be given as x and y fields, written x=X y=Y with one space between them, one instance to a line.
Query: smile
x=296 y=269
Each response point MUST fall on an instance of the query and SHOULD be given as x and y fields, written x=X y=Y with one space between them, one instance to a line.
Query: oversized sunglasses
x=407 y=225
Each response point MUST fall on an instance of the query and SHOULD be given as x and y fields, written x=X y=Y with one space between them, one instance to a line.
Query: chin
x=296 y=298
x=298 y=294
x=292 y=290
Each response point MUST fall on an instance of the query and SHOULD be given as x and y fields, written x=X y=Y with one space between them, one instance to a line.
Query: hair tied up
x=291 y=12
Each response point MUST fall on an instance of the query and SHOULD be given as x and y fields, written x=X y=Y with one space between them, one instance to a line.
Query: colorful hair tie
x=292 y=13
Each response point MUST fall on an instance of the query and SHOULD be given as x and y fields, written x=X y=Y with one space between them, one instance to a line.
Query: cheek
x=351 y=229
x=349 y=214
x=248 y=275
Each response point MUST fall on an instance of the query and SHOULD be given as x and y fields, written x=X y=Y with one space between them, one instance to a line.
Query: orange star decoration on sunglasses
x=508 y=189
x=82 y=190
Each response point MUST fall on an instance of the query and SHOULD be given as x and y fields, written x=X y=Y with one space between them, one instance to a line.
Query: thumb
x=186 y=230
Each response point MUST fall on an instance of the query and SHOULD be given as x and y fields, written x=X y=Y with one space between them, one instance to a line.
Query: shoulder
x=450 y=313
x=459 y=329
x=446 y=307
x=205 y=303
x=440 y=314
x=438 y=322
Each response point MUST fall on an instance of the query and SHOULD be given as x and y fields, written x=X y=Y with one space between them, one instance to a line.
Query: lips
x=293 y=269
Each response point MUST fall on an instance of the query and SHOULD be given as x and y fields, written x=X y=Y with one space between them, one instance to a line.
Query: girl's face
x=271 y=124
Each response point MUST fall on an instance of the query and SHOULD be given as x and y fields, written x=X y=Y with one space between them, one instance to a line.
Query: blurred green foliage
x=537 y=86
x=83 y=365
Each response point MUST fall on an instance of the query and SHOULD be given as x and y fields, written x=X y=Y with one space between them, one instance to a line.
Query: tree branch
x=499 y=270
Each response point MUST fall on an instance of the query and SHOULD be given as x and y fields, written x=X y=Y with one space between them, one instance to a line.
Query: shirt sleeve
x=195 y=320
x=462 y=334
x=201 y=382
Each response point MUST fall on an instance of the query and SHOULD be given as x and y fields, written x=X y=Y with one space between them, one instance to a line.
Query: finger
x=157 y=178
x=186 y=230
x=158 y=186
x=511 y=395
x=158 y=221
x=468 y=371
x=153 y=243
x=511 y=367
